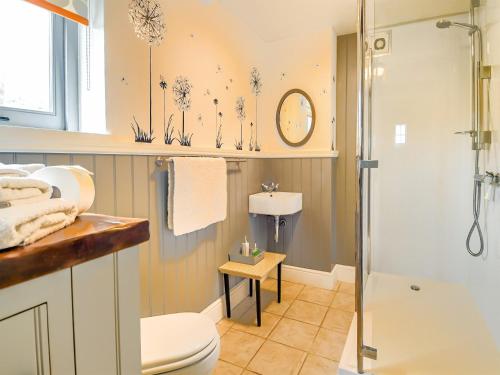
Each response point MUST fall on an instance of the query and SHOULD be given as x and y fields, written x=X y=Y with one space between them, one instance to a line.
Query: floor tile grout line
x=303 y=363
x=268 y=338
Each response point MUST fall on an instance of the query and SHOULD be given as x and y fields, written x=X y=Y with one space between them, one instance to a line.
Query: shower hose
x=476 y=208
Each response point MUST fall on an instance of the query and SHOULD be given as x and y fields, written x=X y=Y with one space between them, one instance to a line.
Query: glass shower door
x=418 y=294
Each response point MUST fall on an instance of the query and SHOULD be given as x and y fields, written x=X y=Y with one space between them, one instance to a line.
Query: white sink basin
x=275 y=204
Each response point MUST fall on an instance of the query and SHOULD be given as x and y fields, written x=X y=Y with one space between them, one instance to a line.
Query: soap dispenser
x=245 y=248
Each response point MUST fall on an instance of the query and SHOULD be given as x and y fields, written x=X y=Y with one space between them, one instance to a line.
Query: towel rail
x=161 y=162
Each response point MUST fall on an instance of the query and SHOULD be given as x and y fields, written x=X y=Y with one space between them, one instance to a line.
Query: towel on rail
x=197 y=193
x=25 y=224
x=23 y=190
x=18 y=170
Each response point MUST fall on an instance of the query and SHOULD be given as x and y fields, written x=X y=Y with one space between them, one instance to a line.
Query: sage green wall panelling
x=180 y=273
x=307 y=237
x=345 y=179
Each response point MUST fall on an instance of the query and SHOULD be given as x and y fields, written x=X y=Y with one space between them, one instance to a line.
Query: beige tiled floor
x=305 y=334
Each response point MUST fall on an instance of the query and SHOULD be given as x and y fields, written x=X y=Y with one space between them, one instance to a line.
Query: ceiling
x=393 y=12
x=273 y=20
x=278 y=19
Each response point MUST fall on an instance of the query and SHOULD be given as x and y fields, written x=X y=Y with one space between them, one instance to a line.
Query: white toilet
x=179 y=344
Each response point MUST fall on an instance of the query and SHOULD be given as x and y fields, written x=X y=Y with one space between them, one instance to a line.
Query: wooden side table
x=252 y=272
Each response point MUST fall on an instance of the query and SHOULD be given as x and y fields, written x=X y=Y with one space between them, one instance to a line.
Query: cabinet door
x=106 y=315
x=36 y=327
x=24 y=343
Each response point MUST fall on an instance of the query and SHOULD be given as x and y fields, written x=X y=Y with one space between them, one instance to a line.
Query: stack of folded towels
x=30 y=208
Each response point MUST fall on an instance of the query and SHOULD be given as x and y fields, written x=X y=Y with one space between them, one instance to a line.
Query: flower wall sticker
x=256 y=85
x=218 y=136
x=250 y=145
x=182 y=98
x=139 y=134
x=168 y=130
x=147 y=18
x=333 y=132
x=241 y=114
x=218 y=125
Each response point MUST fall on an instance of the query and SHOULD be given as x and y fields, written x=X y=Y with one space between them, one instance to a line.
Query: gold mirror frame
x=313 y=110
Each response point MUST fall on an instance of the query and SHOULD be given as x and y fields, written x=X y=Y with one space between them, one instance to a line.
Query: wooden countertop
x=89 y=237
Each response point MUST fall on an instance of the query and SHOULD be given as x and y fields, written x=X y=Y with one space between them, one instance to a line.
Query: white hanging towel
x=24 y=224
x=197 y=193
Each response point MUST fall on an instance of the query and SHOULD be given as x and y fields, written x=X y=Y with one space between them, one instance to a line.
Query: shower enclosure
x=428 y=237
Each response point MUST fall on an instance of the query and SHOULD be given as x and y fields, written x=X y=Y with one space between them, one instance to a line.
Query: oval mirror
x=295 y=118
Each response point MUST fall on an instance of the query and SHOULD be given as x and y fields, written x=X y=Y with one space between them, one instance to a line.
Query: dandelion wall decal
x=256 y=85
x=241 y=114
x=333 y=133
x=200 y=119
x=163 y=84
x=255 y=81
x=250 y=145
x=182 y=98
x=139 y=134
x=218 y=119
x=168 y=129
x=218 y=137
x=147 y=18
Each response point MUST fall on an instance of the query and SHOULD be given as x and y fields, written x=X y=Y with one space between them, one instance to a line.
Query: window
x=400 y=134
x=38 y=67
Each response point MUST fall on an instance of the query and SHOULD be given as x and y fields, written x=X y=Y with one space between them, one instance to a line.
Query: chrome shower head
x=446 y=24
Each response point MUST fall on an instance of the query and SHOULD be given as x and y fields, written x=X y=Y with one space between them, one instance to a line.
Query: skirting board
x=319 y=279
x=217 y=309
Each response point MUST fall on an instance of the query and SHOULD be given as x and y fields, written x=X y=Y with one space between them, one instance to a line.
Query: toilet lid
x=171 y=338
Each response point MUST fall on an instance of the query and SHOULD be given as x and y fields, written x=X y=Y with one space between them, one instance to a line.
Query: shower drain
x=416 y=288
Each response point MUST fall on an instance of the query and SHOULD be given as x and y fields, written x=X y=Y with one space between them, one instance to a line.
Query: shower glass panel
x=426 y=115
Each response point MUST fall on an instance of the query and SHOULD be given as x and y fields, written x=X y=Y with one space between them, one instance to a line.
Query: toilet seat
x=172 y=342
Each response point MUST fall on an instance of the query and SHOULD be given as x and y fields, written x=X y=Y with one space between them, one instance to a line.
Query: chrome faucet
x=270 y=187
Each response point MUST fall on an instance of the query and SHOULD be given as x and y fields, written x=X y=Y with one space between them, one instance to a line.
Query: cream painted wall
x=199 y=39
x=309 y=63
x=196 y=43
x=423 y=189
x=201 y=36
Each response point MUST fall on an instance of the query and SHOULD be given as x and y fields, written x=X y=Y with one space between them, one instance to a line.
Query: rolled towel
x=23 y=190
x=73 y=183
x=28 y=223
x=18 y=170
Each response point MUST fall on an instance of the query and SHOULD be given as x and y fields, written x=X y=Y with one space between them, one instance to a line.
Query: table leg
x=279 y=282
x=257 y=295
x=228 y=298
x=250 y=282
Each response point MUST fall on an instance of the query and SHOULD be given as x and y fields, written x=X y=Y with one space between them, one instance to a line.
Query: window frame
x=64 y=81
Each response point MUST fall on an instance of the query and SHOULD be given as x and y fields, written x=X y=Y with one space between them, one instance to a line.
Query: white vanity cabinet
x=83 y=319
x=36 y=326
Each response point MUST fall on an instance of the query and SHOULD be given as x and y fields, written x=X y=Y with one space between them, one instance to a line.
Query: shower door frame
x=363 y=162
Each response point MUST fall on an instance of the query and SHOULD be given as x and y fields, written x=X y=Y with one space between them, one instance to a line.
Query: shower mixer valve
x=483 y=140
x=490 y=178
